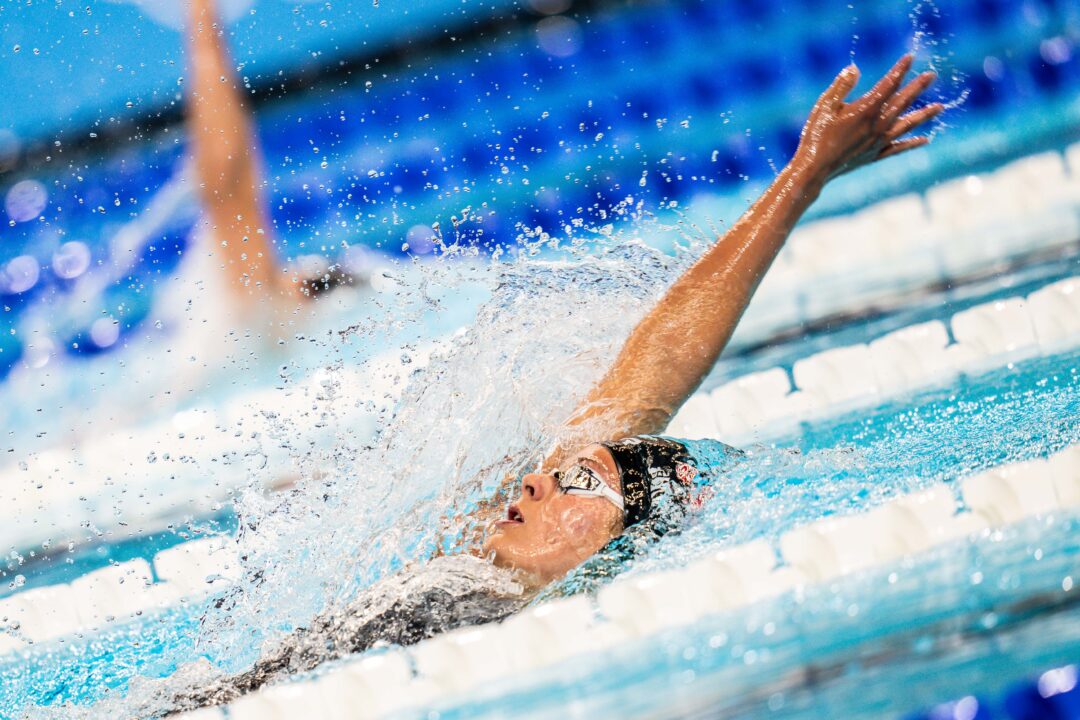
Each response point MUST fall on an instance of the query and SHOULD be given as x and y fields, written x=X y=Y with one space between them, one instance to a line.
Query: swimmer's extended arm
x=223 y=142
x=676 y=344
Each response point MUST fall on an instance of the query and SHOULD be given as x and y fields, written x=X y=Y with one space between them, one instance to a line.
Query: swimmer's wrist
x=806 y=174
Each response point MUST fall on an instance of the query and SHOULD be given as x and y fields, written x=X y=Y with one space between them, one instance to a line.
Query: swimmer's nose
x=536 y=486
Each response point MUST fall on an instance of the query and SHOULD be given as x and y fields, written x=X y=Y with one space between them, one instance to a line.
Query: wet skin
x=547 y=532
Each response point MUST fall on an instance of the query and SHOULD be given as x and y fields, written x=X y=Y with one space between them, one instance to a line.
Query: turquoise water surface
x=895 y=618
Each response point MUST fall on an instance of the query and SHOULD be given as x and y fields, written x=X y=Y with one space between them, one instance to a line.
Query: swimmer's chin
x=494 y=538
x=526 y=578
x=489 y=549
x=493 y=551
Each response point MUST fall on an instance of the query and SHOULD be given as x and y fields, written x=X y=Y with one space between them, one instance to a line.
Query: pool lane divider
x=191 y=462
x=767 y=403
x=959 y=226
x=1048 y=320
x=631 y=607
x=189 y=571
x=453 y=664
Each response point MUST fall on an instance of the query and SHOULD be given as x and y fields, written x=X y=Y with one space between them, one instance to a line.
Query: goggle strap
x=603 y=491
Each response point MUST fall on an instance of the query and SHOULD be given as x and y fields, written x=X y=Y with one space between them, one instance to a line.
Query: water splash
x=939 y=56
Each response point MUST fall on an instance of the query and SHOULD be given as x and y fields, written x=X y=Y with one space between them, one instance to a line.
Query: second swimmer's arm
x=676 y=344
x=223 y=142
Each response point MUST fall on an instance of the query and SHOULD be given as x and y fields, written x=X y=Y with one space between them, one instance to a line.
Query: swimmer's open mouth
x=513 y=516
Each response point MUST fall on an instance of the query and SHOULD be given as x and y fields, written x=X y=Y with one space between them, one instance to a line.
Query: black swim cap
x=657 y=476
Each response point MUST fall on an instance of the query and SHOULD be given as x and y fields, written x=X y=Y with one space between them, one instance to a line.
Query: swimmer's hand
x=840 y=136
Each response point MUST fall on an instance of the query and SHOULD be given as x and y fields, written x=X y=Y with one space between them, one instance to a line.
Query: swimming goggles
x=580 y=480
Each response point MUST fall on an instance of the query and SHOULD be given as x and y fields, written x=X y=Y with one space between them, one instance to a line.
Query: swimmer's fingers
x=912 y=120
x=886 y=87
x=898 y=146
x=902 y=100
x=841 y=87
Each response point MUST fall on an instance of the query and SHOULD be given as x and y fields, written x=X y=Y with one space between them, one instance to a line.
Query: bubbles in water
x=20 y=274
x=38 y=353
x=1058 y=681
x=105 y=332
x=421 y=239
x=25 y=200
x=71 y=260
x=993 y=68
x=559 y=36
x=1055 y=50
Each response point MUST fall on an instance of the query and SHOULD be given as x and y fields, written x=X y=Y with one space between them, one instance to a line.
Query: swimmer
x=633 y=483
x=232 y=181
x=610 y=486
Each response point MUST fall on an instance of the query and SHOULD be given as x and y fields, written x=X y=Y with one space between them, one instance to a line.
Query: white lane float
x=762 y=404
x=631 y=607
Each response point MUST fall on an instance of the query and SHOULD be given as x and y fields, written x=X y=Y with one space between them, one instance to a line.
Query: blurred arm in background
x=675 y=346
x=231 y=181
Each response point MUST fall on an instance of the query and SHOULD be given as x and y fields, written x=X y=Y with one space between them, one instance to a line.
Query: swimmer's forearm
x=681 y=339
x=222 y=137
x=674 y=346
x=218 y=123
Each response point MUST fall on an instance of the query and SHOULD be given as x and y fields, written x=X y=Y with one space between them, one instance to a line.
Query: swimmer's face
x=546 y=532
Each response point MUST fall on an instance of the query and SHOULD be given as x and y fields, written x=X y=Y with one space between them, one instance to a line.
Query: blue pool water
x=548 y=122
x=894 y=622
x=843 y=650
x=508 y=124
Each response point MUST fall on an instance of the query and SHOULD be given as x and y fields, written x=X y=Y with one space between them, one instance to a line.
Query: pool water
x=945 y=625
x=968 y=617
x=950 y=614
x=550 y=123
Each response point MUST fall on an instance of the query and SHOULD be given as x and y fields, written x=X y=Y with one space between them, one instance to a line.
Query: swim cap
x=657 y=475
